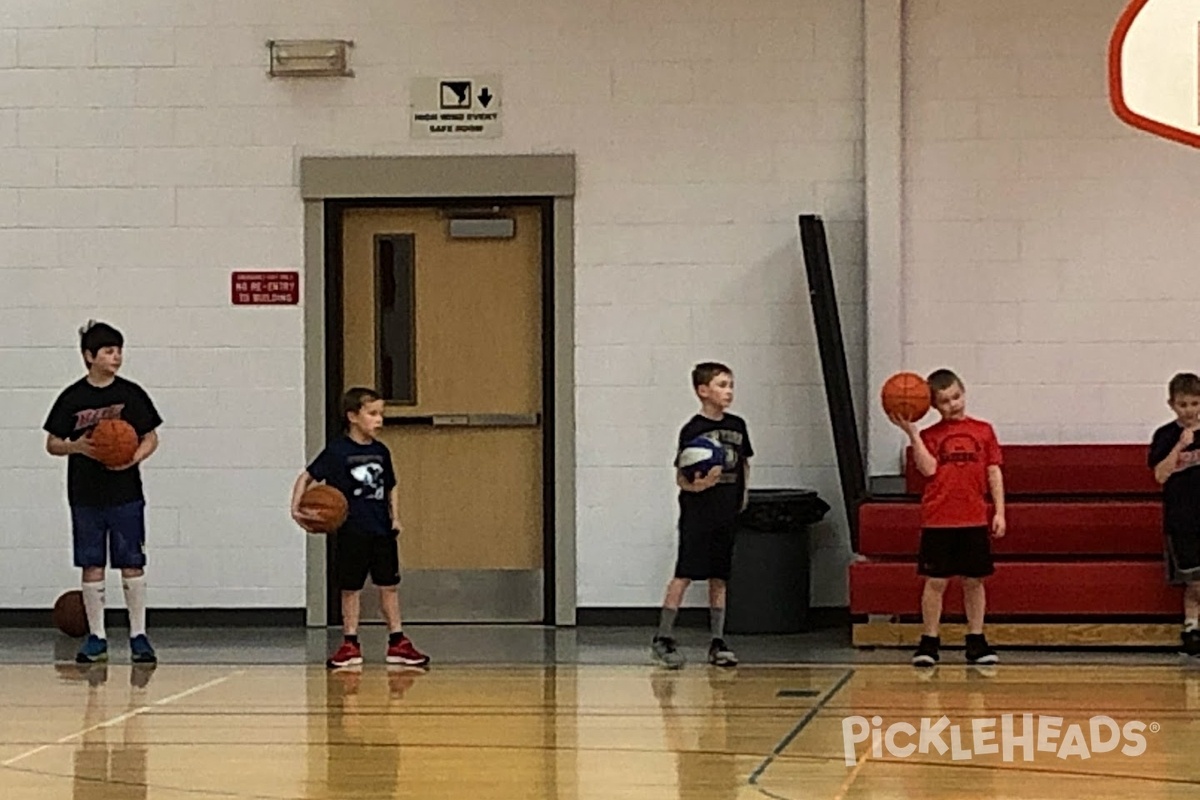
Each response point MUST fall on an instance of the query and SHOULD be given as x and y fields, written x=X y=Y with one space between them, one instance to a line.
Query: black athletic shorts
x=1183 y=553
x=955 y=552
x=705 y=553
x=358 y=555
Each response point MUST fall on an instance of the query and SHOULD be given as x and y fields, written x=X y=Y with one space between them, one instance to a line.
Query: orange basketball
x=69 y=615
x=114 y=441
x=328 y=505
x=906 y=395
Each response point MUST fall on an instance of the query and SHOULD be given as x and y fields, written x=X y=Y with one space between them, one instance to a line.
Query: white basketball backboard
x=1154 y=68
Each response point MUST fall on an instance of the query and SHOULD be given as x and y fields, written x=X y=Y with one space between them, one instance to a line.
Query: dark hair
x=1184 y=383
x=940 y=380
x=95 y=336
x=703 y=374
x=354 y=399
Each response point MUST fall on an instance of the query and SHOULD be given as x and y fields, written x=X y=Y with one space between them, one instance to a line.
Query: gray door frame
x=437 y=178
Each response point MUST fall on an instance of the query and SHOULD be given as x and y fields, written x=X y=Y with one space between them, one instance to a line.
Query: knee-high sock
x=93 y=603
x=135 y=601
x=666 y=621
x=716 y=621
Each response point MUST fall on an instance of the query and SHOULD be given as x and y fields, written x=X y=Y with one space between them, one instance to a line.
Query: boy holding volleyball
x=961 y=458
x=108 y=505
x=360 y=467
x=709 y=505
x=1175 y=458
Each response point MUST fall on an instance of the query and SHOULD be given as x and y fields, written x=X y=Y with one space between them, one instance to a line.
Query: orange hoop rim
x=1116 y=93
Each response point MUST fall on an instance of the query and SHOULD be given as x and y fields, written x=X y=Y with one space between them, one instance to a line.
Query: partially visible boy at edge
x=1174 y=457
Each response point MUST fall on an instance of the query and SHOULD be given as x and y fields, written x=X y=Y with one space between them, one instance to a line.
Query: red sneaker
x=403 y=652
x=348 y=655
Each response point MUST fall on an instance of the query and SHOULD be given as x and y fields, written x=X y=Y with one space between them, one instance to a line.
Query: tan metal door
x=446 y=322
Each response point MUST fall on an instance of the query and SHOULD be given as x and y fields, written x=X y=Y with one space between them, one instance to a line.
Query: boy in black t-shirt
x=1175 y=458
x=360 y=467
x=107 y=505
x=708 y=511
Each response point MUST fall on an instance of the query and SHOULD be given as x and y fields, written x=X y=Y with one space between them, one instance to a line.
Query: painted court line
x=122 y=718
x=846 y=784
x=800 y=726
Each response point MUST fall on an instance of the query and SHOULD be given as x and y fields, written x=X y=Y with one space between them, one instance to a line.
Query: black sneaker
x=719 y=654
x=927 y=652
x=979 y=651
x=665 y=652
x=1190 y=641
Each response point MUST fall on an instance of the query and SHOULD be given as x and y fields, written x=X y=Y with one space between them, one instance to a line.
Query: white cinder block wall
x=144 y=155
x=1050 y=249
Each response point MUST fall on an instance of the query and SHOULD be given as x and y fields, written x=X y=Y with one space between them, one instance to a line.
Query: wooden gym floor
x=182 y=732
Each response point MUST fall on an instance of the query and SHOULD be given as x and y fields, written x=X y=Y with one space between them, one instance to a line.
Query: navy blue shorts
x=118 y=531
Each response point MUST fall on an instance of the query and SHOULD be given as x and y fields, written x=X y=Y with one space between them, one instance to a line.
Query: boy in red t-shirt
x=961 y=458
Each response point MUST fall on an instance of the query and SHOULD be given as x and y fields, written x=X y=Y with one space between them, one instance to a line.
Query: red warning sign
x=270 y=288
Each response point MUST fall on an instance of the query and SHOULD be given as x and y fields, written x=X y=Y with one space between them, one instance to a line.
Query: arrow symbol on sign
x=486 y=96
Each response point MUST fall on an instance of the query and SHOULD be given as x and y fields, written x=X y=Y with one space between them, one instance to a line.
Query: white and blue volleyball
x=699 y=456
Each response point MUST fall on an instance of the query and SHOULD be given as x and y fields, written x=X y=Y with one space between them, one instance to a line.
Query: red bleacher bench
x=1066 y=469
x=1104 y=588
x=892 y=530
x=1084 y=540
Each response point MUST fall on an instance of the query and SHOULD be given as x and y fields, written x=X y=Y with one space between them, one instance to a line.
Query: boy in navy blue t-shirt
x=1175 y=459
x=360 y=467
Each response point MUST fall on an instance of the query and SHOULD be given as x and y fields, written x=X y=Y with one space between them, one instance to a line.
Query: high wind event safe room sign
x=456 y=108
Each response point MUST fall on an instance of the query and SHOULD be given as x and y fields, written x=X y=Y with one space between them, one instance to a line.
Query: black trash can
x=769 y=583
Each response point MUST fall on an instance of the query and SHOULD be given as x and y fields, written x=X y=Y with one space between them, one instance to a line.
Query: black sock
x=394 y=638
x=351 y=638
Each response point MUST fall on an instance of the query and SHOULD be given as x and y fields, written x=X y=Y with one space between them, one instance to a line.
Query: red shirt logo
x=90 y=416
x=956 y=495
x=960 y=449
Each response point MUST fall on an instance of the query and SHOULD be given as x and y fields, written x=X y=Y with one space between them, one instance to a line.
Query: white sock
x=1191 y=624
x=93 y=603
x=135 y=601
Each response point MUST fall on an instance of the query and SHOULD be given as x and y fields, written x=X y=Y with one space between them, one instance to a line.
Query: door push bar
x=466 y=421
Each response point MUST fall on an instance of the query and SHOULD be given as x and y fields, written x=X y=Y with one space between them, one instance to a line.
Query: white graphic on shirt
x=370 y=481
x=1187 y=460
x=730 y=441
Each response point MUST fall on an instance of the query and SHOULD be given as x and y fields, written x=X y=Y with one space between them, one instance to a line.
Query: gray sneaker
x=665 y=652
x=720 y=655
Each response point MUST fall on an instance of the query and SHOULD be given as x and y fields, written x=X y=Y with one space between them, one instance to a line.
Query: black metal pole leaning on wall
x=833 y=366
